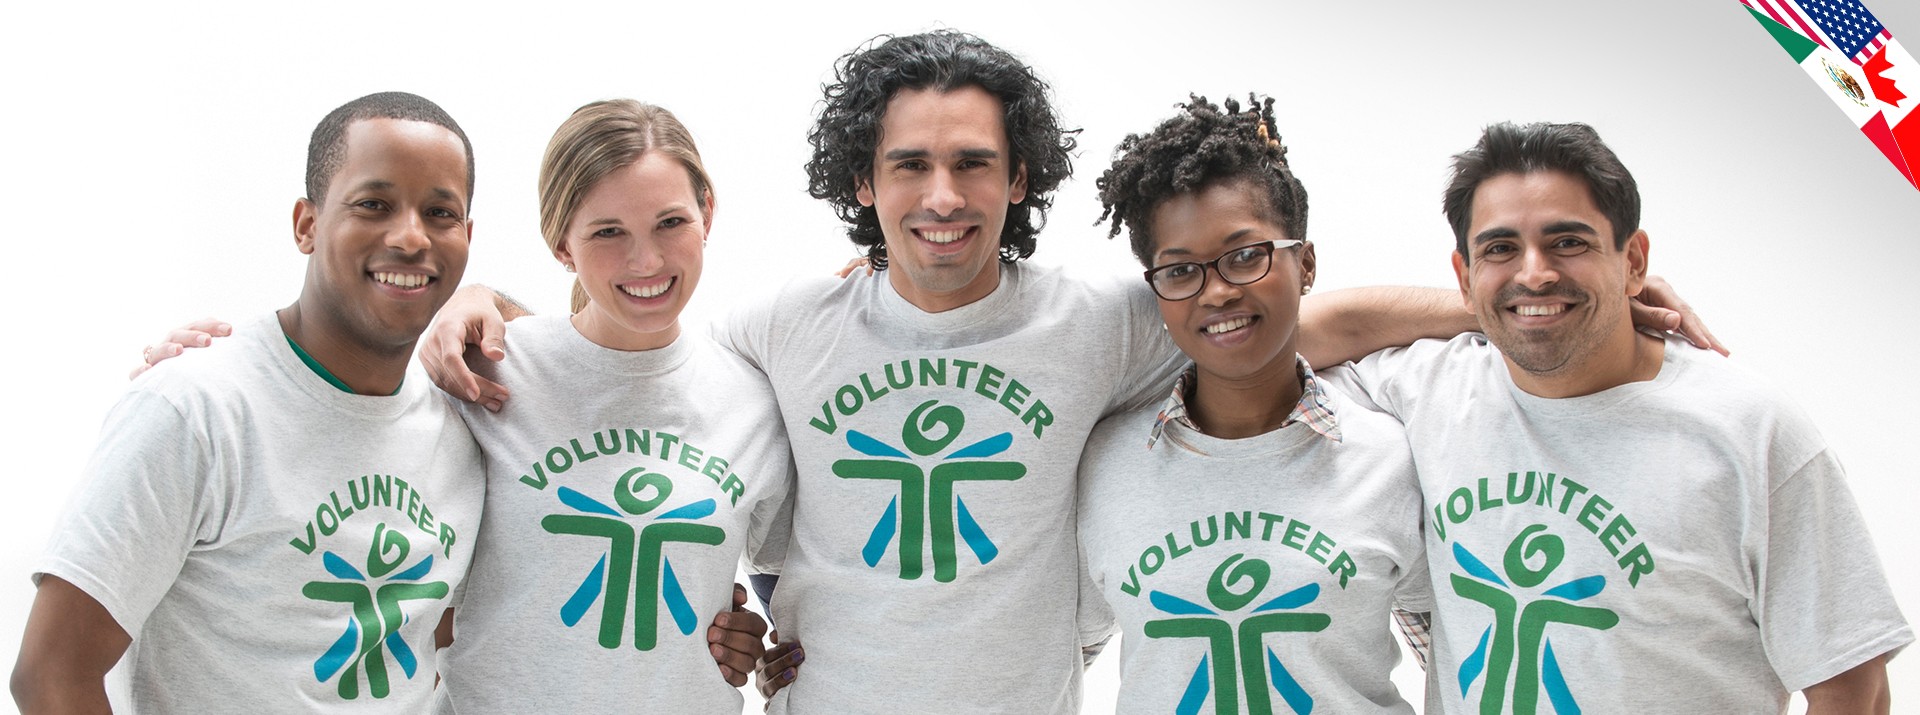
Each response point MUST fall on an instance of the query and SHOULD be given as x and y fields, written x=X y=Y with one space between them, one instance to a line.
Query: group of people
x=1247 y=484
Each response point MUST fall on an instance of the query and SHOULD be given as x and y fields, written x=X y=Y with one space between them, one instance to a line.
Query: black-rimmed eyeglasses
x=1240 y=266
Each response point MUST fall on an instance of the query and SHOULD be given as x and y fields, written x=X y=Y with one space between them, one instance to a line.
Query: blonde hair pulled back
x=599 y=139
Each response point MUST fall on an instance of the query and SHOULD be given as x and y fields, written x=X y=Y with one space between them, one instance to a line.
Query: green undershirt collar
x=321 y=370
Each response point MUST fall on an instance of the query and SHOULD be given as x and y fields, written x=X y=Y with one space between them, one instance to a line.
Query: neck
x=935 y=301
x=1237 y=408
x=367 y=370
x=1627 y=357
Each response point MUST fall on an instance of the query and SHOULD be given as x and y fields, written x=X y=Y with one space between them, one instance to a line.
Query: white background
x=152 y=155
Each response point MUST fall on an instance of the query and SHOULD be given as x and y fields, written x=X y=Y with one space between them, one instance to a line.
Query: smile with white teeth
x=401 y=280
x=943 y=236
x=648 y=291
x=1228 y=326
x=1555 y=309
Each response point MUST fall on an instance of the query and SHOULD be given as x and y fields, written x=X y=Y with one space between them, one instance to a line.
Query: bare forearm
x=1352 y=323
x=1860 y=691
x=510 y=309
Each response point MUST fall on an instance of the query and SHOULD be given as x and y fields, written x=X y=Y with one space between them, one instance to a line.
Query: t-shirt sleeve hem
x=93 y=586
x=1890 y=644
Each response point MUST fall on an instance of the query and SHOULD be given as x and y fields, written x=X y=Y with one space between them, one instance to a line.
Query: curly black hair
x=848 y=131
x=1202 y=146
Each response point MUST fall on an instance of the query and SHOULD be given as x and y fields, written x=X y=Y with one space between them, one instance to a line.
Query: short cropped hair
x=327 y=150
x=847 y=132
x=1202 y=146
x=1573 y=149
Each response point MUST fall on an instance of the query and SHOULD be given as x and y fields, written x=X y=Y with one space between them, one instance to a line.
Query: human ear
x=305 y=215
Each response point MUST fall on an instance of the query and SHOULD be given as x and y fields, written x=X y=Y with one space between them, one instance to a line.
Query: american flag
x=1843 y=25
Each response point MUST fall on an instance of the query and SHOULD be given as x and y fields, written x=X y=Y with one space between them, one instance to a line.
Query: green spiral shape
x=923 y=419
x=386 y=541
x=627 y=490
x=1253 y=572
x=1525 y=547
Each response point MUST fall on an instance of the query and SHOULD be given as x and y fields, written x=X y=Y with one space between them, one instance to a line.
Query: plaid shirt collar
x=1314 y=408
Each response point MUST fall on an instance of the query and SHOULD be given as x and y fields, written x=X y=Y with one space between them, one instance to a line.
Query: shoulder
x=226 y=370
x=1122 y=435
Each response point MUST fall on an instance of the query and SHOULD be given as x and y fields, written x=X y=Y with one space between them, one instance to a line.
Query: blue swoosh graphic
x=975 y=536
x=1196 y=694
x=1177 y=606
x=336 y=656
x=1292 y=599
x=882 y=534
x=1471 y=667
x=1557 y=692
x=985 y=448
x=585 y=503
x=1290 y=690
x=401 y=653
x=339 y=567
x=418 y=570
x=1473 y=565
x=676 y=600
x=872 y=447
x=1579 y=589
x=697 y=510
x=584 y=596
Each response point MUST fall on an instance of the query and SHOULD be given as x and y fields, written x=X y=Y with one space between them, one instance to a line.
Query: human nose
x=1537 y=270
x=644 y=257
x=1217 y=290
x=943 y=194
x=410 y=236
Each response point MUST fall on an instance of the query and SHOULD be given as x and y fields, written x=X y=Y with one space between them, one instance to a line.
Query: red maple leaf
x=1883 y=88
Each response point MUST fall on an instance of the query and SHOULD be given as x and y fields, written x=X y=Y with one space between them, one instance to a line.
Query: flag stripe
x=1798 y=19
x=1796 y=45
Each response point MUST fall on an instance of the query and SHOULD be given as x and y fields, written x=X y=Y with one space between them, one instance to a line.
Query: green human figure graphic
x=636 y=568
x=927 y=508
x=1519 y=631
x=1234 y=650
x=373 y=629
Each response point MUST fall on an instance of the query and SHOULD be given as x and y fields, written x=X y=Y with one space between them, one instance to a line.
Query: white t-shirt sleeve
x=145 y=501
x=770 y=525
x=1151 y=360
x=1823 y=603
x=747 y=329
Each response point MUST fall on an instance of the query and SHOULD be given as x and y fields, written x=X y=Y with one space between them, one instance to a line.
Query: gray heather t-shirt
x=933 y=564
x=1257 y=574
x=623 y=489
x=273 y=544
x=1685 y=544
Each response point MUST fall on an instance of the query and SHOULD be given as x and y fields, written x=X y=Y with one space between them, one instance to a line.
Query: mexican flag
x=1859 y=64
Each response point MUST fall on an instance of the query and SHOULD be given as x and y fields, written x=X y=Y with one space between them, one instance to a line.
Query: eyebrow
x=1497 y=232
x=1571 y=226
x=384 y=185
x=615 y=220
x=1231 y=237
x=977 y=153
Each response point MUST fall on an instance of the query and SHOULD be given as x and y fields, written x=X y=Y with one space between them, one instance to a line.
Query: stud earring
x=1305 y=289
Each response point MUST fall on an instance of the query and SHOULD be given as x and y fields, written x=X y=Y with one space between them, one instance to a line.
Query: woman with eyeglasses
x=1252 y=532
